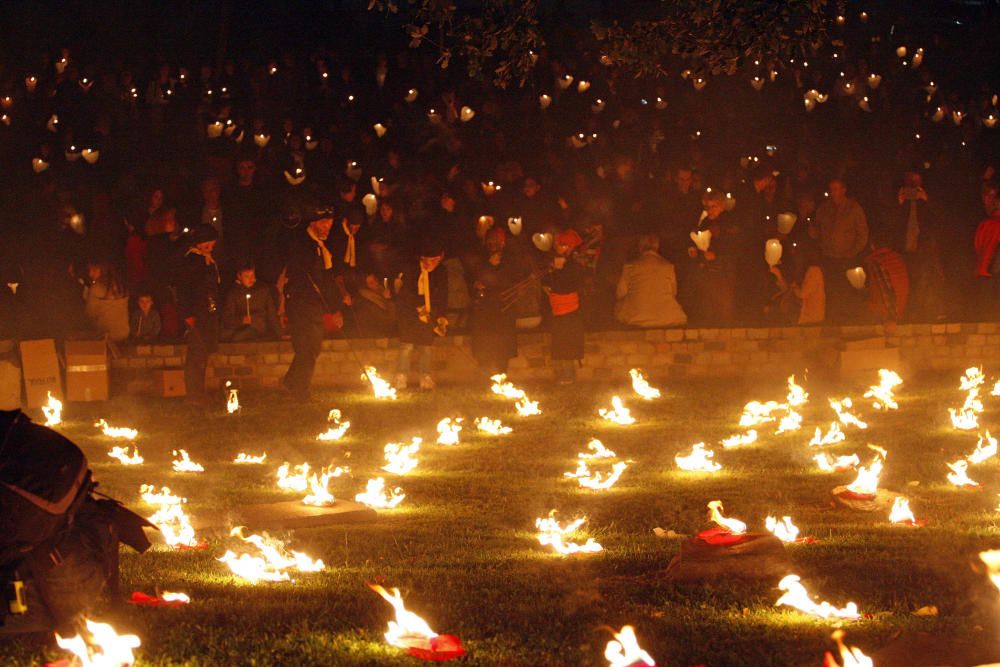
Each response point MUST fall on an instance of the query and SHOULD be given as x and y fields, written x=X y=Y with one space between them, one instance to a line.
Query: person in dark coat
x=563 y=284
x=312 y=297
x=421 y=303
x=248 y=311
x=492 y=322
x=198 y=301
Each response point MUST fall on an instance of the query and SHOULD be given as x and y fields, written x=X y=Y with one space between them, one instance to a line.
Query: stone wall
x=672 y=353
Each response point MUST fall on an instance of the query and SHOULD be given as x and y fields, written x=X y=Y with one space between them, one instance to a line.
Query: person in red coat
x=987 y=243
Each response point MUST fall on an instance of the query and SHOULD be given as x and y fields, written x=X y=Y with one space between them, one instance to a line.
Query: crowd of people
x=319 y=195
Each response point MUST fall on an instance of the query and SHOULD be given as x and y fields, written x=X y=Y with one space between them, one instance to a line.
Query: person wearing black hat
x=422 y=300
x=312 y=296
x=198 y=299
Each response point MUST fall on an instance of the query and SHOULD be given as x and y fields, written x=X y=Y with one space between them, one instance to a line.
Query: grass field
x=462 y=547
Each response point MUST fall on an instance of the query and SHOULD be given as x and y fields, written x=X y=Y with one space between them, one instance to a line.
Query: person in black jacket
x=198 y=297
x=312 y=295
x=494 y=337
x=248 y=311
x=422 y=300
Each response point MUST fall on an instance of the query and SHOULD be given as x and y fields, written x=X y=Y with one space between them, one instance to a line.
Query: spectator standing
x=843 y=235
x=422 y=299
x=198 y=297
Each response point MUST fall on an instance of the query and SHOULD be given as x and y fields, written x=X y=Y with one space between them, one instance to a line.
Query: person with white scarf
x=422 y=300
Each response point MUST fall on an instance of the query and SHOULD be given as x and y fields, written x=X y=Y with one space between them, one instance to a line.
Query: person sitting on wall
x=249 y=313
x=144 y=323
x=647 y=289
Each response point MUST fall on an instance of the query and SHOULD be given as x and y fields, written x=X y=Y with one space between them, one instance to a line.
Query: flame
x=832 y=437
x=992 y=561
x=842 y=408
x=984 y=453
x=958 y=475
x=103 y=647
x=972 y=379
x=448 y=430
x=121 y=453
x=597 y=451
x=375 y=495
x=297 y=480
x=839 y=464
x=850 y=656
x=399 y=457
x=243 y=457
x=527 y=408
x=53 y=411
x=796 y=596
x=168 y=596
x=740 y=439
x=170 y=518
x=699 y=460
x=551 y=533
x=272 y=563
x=319 y=493
x=797 y=396
x=116 y=432
x=866 y=483
x=185 y=464
x=624 y=650
x=756 y=413
x=901 y=511
x=734 y=526
x=504 y=388
x=596 y=480
x=965 y=419
x=881 y=393
x=408 y=630
x=233 y=402
x=790 y=422
x=641 y=386
x=492 y=426
x=996 y=389
x=336 y=430
x=784 y=530
x=618 y=413
x=381 y=388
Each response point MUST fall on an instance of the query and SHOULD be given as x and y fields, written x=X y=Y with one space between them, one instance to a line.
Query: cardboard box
x=10 y=376
x=86 y=370
x=40 y=367
x=169 y=382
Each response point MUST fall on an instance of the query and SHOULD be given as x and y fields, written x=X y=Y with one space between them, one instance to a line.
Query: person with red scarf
x=563 y=284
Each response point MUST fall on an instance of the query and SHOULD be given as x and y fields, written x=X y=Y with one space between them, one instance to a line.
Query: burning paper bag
x=772 y=252
x=786 y=221
x=165 y=599
x=412 y=633
x=856 y=277
x=542 y=241
x=544 y=101
x=379 y=130
x=702 y=239
x=467 y=114
x=370 y=203
x=514 y=224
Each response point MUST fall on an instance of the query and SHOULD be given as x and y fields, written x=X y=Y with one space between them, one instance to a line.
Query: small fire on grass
x=790 y=422
x=448 y=430
x=165 y=599
x=293 y=479
x=992 y=561
x=624 y=650
x=797 y=396
x=53 y=411
x=959 y=474
x=986 y=448
x=618 y=414
x=174 y=524
x=502 y=387
x=121 y=454
x=966 y=417
x=381 y=388
x=882 y=393
x=233 y=400
x=185 y=464
x=122 y=432
x=843 y=409
x=319 y=491
x=699 y=460
x=734 y=526
x=243 y=457
x=850 y=656
x=596 y=480
x=527 y=408
x=831 y=437
x=972 y=379
x=902 y=514
x=100 y=646
x=756 y=413
x=865 y=485
x=597 y=451
x=400 y=458
x=641 y=386
x=996 y=389
x=271 y=562
x=839 y=464
x=784 y=530
x=412 y=633
x=336 y=429
x=378 y=497
x=552 y=533
x=740 y=439
x=491 y=426
x=796 y=596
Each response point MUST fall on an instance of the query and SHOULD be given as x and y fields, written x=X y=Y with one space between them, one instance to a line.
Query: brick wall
x=662 y=352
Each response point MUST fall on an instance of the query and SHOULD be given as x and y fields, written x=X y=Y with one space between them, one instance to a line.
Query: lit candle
x=248 y=305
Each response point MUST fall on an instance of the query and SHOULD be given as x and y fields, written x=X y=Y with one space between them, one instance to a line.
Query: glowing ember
x=233 y=402
x=337 y=428
x=797 y=396
x=399 y=457
x=492 y=426
x=734 y=526
x=784 y=530
x=641 y=386
x=319 y=493
x=551 y=533
x=796 y=596
x=116 y=432
x=790 y=422
x=170 y=518
x=597 y=451
x=381 y=388
x=624 y=650
x=596 y=480
x=448 y=430
x=504 y=388
x=842 y=408
x=53 y=411
x=901 y=512
x=272 y=562
x=740 y=439
x=866 y=483
x=182 y=598
x=958 y=475
x=881 y=393
x=185 y=464
x=243 y=457
x=699 y=460
x=618 y=413
x=992 y=561
x=375 y=495
x=408 y=630
x=756 y=413
x=983 y=451
x=121 y=453
x=972 y=379
x=103 y=646
x=293 y=479
x=832 y=437
x=527 y=408
x=849 y=655
x=839 y=464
